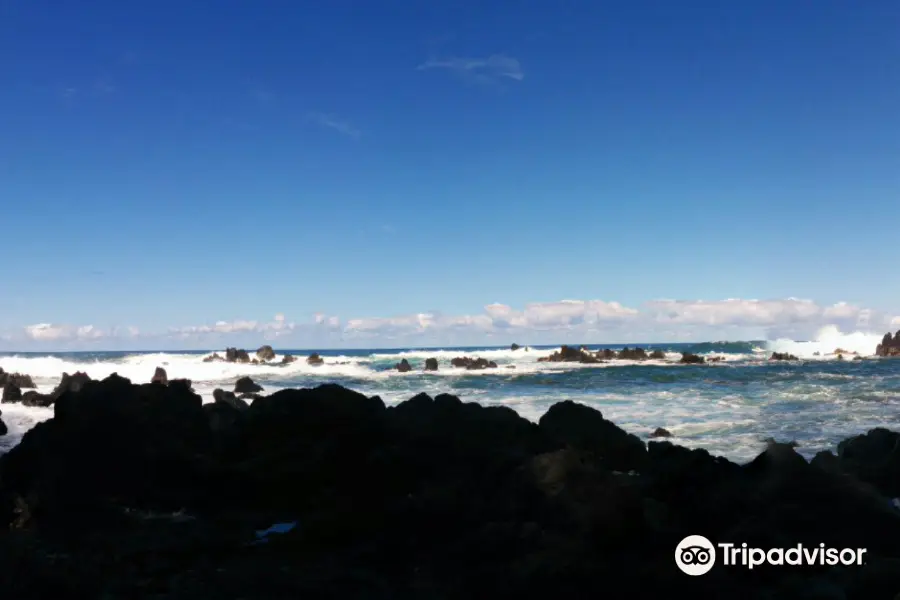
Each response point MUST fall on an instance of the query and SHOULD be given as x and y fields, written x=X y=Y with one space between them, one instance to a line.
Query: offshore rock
x=19 y=380
x=889 y=346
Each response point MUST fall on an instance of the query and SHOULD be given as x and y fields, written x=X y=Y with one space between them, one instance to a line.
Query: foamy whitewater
x=729 y=407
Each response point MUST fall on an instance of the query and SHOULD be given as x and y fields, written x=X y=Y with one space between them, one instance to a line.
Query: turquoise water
x=728 y=407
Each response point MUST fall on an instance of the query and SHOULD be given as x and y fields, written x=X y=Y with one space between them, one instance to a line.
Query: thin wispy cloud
x=336 y=123
x=494 y=68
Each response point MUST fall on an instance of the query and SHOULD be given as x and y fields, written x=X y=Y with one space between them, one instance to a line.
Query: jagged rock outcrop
x=166 y=497
x=11 y=393
x=782 y=356
x=889 y=346
x=160 y=376
x=514 y=347
x=245 y=385
x=571 y=354
x=691 y=359
x=431 y=364
x=288 y=359
x=472 y=364
x=315 y=360
x=265 y=353
x=20 y=380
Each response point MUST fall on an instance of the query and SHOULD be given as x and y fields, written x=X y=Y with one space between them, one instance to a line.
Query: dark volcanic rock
x=315 y=359
x=140 y=491
x=403 y=366
x=570 y=354
x=68 y=383
x=782 y=356
x=160 y=376
x=287 y=359
x=229 y=398
x=514 y=347
x=3 y=429
x=214 y=357
x=472 y=364
x=627 y=353
x=235 y=355
x=889 y=346
x=660 y=432
x=265 y=353
x=245 y=385
x=431 y=364
x=691 y=359
x=11 y=393
x=657 y=355
x=20 y=380
x=585 y=428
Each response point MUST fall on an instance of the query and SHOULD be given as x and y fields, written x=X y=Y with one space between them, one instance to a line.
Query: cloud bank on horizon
x=564 y=321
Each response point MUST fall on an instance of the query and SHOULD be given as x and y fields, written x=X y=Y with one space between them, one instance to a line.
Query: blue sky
x=167 y=166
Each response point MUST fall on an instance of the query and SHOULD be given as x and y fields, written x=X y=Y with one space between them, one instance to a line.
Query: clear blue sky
x=182 y=163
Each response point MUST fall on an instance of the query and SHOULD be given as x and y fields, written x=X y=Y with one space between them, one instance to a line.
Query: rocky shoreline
x=141 y=491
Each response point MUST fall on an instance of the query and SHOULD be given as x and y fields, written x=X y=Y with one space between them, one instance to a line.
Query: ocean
x=729 y=407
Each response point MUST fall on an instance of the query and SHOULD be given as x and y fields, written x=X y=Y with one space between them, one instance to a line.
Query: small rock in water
x=315 y=359
x=431 y=364
x=660 y=432
x=403 y=366
x=691 y=359
x=265 y=353
x=11 y=393
x=287 y=359
x=245 y=385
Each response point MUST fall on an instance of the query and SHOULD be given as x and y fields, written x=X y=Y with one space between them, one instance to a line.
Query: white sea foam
x=828 y=339
x=139 y=368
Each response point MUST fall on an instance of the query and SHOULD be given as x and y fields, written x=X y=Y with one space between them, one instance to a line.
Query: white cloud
x=733 y=311
x=46 y=331
x=564 y=314
x=564 y=321
x=492 y=68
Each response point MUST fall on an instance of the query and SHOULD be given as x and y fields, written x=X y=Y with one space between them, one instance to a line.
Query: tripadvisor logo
x=696 y=555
